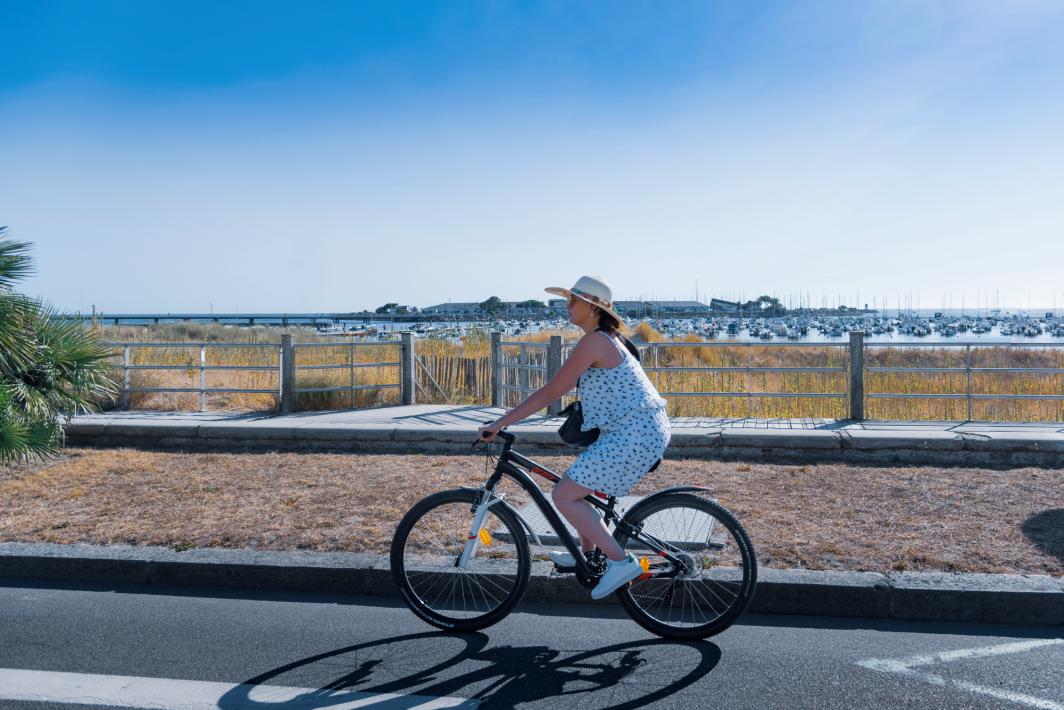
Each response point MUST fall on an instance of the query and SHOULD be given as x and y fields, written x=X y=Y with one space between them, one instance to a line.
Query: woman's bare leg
x=568 y=497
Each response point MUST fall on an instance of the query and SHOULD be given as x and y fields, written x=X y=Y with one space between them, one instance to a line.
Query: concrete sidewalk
x=430 y=428
x=925 y=596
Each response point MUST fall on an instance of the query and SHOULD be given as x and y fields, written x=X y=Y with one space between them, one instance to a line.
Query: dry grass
x=815 y=517
x=460 y=373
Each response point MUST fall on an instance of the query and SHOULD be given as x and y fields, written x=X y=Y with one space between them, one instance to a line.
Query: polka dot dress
x=622 y=402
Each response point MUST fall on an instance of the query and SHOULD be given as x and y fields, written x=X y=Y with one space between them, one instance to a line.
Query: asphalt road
x=269 y=650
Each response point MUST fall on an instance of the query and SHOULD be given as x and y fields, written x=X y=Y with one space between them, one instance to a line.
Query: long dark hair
x=608 y=322
x=611 y=325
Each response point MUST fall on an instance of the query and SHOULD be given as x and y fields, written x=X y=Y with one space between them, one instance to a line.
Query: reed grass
x=460 y=373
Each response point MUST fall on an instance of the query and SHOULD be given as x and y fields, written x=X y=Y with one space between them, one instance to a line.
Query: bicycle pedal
x=564 y=570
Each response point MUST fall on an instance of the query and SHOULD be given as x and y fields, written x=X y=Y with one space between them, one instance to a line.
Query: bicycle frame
x=514 y=465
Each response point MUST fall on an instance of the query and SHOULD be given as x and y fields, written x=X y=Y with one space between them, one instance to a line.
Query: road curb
x=924 y=596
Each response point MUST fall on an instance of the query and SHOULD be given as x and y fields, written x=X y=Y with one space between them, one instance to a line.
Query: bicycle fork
x=487 y=499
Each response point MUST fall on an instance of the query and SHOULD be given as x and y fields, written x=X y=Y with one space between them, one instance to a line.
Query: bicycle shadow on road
x=1046 y=531
x=627 y=675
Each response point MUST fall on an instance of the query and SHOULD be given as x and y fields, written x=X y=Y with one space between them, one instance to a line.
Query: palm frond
x=15 y=262
x=50 y=365
x=17 y=343
x=44 y=438
x=13 y=429
x=74 y=361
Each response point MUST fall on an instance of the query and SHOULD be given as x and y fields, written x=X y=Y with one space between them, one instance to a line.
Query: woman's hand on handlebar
x=488 y=431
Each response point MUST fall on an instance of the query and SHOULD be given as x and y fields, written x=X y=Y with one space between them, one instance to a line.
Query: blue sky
x=268 y=156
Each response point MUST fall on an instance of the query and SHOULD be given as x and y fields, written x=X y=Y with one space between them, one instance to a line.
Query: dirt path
x=815 y=517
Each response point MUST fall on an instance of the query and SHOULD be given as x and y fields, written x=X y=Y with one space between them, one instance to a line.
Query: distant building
x=632 y=309
x=556 y=306
x=472 y=308
x=717 y=304
x=663 y=308
x=644 y=309
x=453 y=309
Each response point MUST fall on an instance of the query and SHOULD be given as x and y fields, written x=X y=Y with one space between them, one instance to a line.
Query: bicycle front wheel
x=452 y=576
x=714 y=580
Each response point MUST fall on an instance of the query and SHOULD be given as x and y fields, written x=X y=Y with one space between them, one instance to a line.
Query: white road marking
x=173 y=694
x=905 y=667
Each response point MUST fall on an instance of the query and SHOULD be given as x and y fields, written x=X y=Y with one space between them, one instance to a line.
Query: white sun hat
x=592 y=289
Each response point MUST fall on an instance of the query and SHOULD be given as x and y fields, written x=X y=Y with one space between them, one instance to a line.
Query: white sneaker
x=617 y=575
x=561 y=558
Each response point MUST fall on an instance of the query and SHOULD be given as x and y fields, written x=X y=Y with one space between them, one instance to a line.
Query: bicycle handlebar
x=504 y=435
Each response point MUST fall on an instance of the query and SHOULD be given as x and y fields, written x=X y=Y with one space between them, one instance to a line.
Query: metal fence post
x=554 y=363
x=968 y=367
x=406 y=368
x=496 y=368
x=125 y=377
x=288 y=374
x=203 y=378
x=857 y=391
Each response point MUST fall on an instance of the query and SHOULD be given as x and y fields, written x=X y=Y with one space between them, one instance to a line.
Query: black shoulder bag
x=570 y=431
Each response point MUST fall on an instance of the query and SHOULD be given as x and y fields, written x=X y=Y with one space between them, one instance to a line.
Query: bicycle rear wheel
x=714 y=582
x=425 y=560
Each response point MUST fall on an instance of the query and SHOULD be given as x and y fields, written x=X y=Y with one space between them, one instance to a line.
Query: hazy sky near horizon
x=333 y=156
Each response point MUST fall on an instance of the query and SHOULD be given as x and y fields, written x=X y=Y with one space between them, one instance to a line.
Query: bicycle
x=464 y=575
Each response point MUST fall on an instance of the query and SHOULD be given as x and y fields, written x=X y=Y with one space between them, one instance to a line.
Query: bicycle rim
x=425 y=562
x=718 y=576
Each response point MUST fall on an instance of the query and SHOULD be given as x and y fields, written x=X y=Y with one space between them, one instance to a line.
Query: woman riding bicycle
x=618 y=399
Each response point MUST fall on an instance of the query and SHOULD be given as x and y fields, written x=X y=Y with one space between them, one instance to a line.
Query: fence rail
x=286 y=389
x=969 y=396
x=203 y=368
x=516 y=369
x=508 y=372
x=856 y=394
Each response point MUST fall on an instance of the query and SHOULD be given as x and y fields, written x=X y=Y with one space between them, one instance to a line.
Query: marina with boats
x=809 y=326
x=1002 y=327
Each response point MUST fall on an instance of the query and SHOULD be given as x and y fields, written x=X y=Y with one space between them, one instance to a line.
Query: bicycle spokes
x=698 y=569
x=455 y=567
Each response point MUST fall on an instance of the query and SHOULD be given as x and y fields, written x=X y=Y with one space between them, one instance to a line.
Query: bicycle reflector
x=645 y=564
x=485 y=536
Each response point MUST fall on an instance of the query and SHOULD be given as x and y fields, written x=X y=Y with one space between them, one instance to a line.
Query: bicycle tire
x=495 y=589
x=725 y=538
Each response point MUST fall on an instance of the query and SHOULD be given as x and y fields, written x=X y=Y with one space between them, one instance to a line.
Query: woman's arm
x=586 y=352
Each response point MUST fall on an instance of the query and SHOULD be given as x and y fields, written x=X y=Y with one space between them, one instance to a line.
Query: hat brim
x=559 y=291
